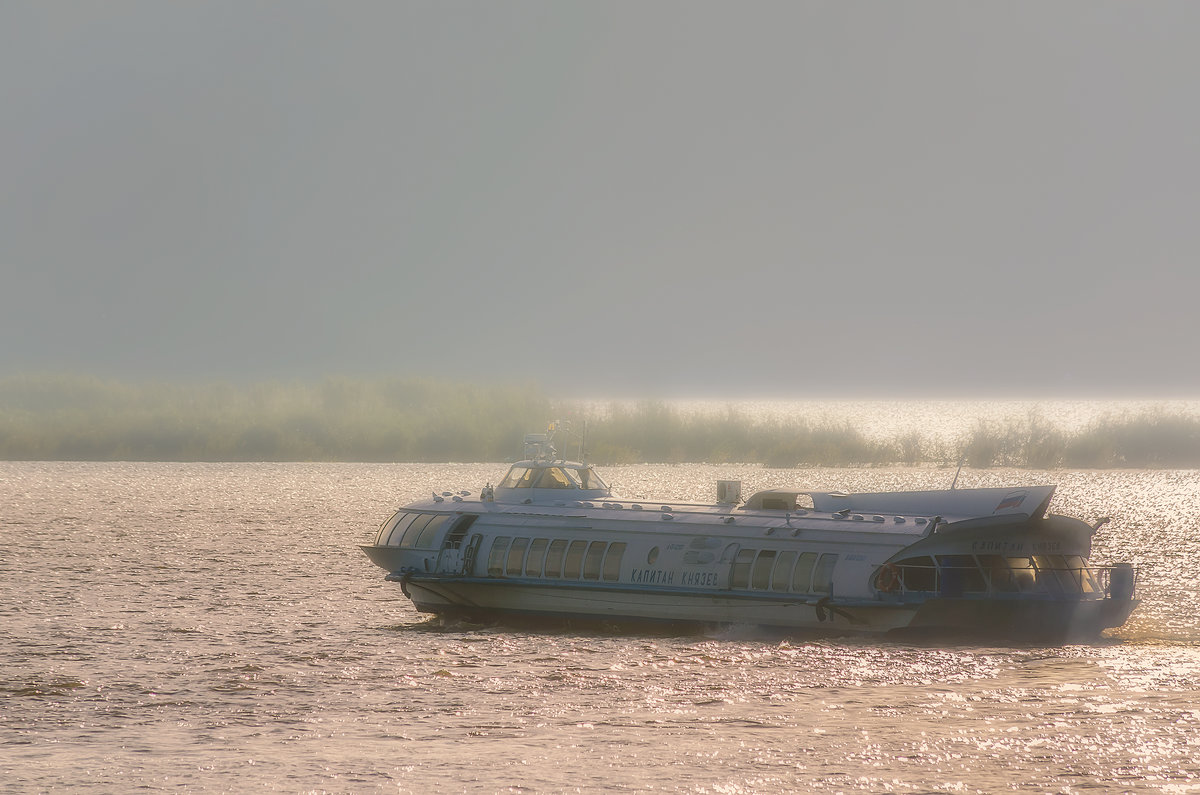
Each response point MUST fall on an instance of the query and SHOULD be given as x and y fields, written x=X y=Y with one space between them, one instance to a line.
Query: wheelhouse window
x=517 y=478
x=588 y=479
x=553 y=478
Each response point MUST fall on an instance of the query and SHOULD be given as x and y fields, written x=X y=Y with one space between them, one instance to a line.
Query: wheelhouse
x=535 y=481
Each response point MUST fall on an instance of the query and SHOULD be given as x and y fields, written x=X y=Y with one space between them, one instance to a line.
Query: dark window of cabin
x=740 y=575
x=763 y=564
x=1023 y=574
x=1082 y=574
x=533 y=563
x=823 y=574
x=428 y=536
x=516 y=556
x=802 y=575
x=782 y=574
x=497 y=555
x=554 y=558
x=1055 y=575
x=959 y=575
x=995 y=569
x=414 y=529
x=918 y=574
x=778 y=503
x=591 y=563
x=574 y=562
x=612 y=561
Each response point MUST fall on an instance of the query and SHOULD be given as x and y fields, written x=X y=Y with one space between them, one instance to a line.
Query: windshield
x=517 y=478
x=588 y=479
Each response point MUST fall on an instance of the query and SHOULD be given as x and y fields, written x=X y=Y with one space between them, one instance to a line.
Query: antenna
x=960 y=466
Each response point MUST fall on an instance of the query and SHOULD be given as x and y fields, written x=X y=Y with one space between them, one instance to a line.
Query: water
x=212 y=627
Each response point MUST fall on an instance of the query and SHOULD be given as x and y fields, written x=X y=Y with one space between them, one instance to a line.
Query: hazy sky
x=608 y=198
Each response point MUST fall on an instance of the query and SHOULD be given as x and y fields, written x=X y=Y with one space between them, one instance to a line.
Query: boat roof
x=950 y=504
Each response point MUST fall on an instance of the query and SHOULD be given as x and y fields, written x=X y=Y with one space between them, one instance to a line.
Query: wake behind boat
x=551 y=541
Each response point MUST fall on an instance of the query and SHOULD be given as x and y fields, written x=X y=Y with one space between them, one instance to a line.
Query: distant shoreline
x=420 y=420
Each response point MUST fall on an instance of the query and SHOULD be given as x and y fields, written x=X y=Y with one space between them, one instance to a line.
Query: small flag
x=1011 y=501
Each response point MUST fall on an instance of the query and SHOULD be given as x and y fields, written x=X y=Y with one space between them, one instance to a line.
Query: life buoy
x=888 y=578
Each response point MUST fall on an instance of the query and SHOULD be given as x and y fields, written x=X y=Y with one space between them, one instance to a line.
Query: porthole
x=652 y=556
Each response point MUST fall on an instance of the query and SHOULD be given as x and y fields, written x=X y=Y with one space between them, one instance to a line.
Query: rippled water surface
x=214 y=628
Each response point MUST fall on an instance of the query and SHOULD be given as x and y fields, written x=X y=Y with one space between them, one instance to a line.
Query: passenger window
x=396 y=529
x=516 y=556
x=1054 y=574
x=918 y=574
x=740 y=576
x=802 y=575
x=823 y=576
x=429 y=533
x=762 y=569
x=783 y=571
x=554 y=558
x=1082 y=574
x=537 y=551
x=414 y=529
x=995 y=570
x=497 y=555
x=591 y=564
x=1023 y=574
x=960 y=575
x=612 y=561
x=574 y=560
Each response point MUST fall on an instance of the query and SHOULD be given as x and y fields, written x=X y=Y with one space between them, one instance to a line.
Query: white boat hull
x=1017 y=619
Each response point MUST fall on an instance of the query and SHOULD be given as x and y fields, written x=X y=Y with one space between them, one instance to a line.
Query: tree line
x=61 y=417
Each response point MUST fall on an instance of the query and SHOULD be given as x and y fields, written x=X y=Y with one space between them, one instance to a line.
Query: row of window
x=958 y=574
x=769 y=569
x=411 y=530
x=555 y=558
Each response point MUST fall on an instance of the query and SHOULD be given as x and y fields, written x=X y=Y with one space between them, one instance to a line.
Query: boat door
x=452 y=557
